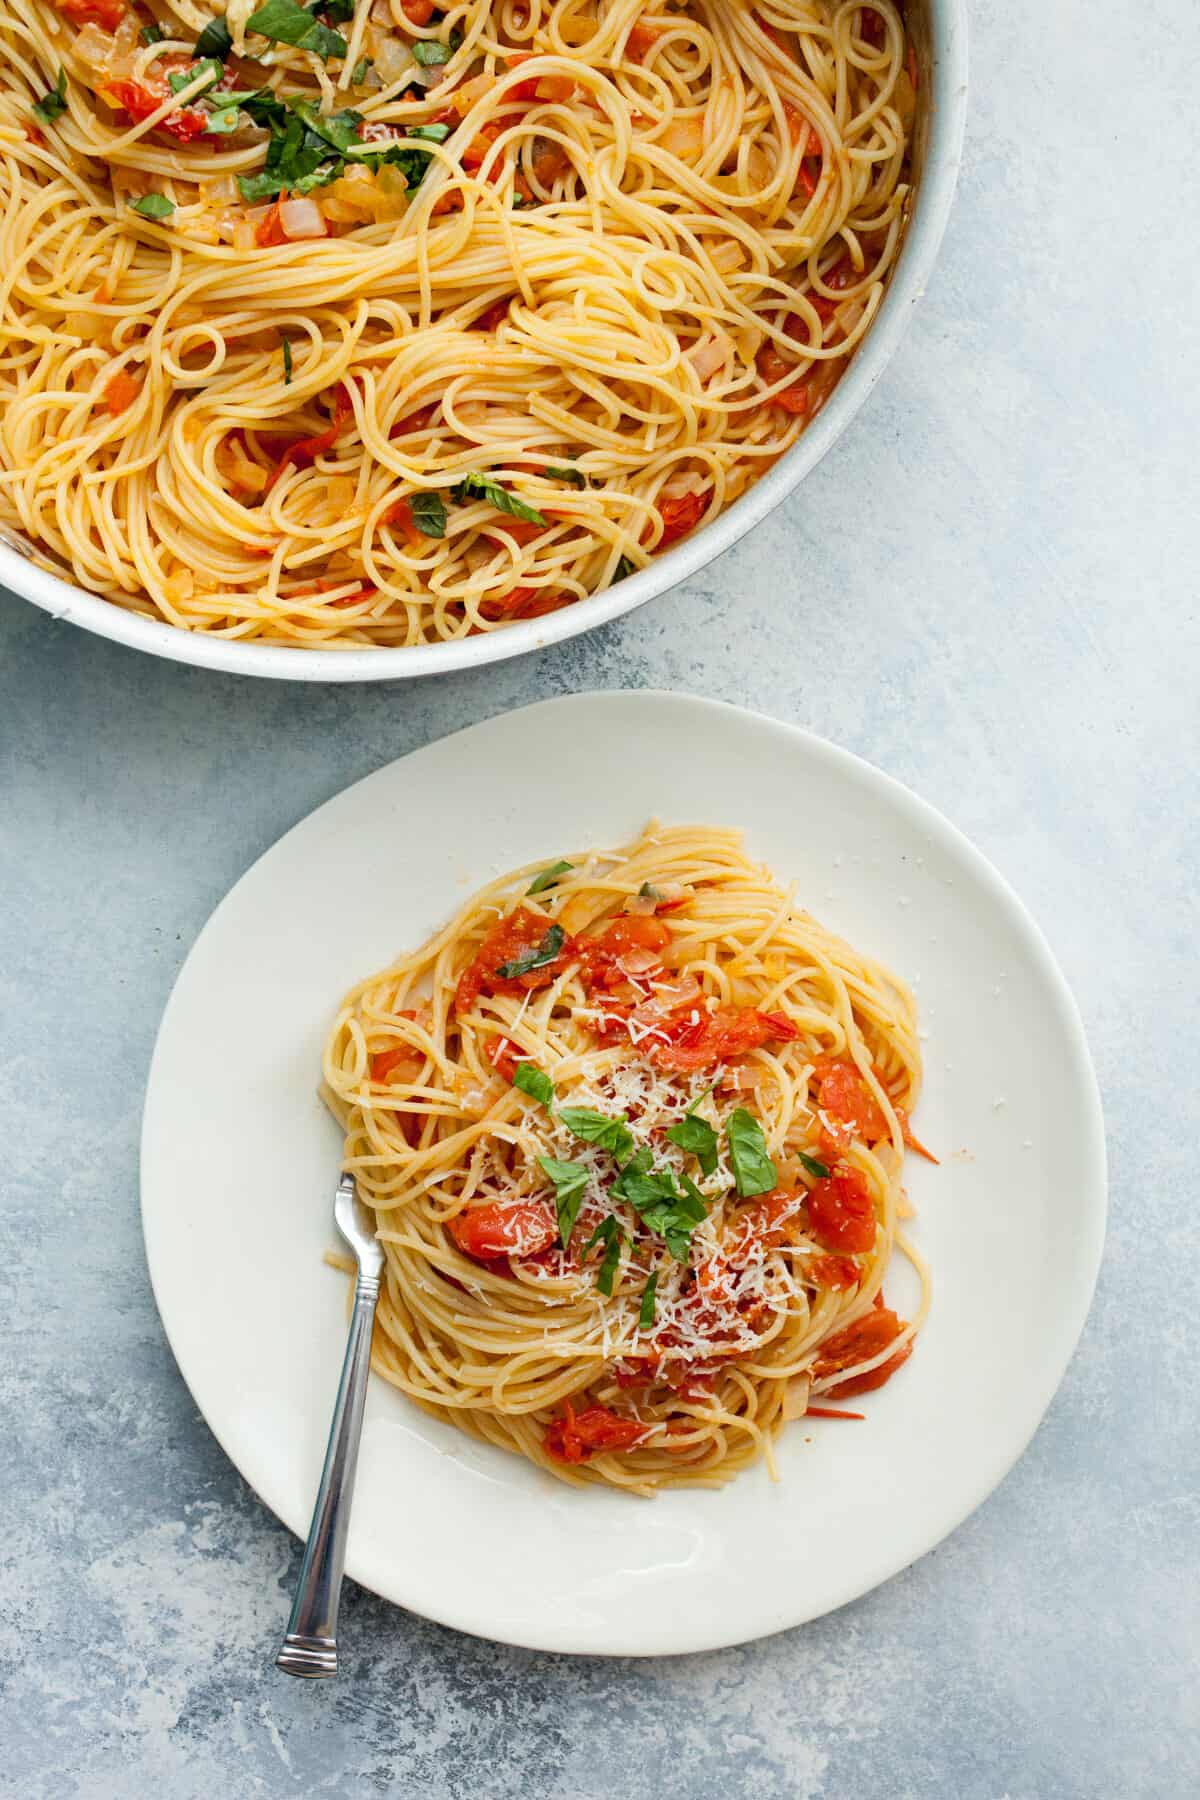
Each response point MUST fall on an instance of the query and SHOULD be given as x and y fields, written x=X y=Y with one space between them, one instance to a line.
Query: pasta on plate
x=632 y=1126
x=381 y=322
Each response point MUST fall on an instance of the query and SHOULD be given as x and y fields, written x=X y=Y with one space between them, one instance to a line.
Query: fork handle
x=310 y=1647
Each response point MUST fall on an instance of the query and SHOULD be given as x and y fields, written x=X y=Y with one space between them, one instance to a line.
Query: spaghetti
x=632 y=1128
x=383 y=322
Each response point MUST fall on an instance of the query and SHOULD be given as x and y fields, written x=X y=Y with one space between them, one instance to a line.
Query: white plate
x=239 y=1161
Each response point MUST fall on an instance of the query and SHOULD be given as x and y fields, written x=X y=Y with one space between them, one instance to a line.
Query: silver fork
x=310 y=1647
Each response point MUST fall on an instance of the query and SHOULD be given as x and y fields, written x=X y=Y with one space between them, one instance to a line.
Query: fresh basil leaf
x=646 y=1310
x=153 y=206
x=358 y=73
x=152 y=34
x=610 y=1265
x=429 y=134
x=546 y=952
x=534 y=1081
x=431 y=53
x=575 y=477
x=428 y=513
x=341 y=130
x=695 y=1196
x=338 y=12
x=812 y=1165
x=297 y=159
x=548 y=877
x=608 y=1232
x=52 y=105
x=623 y=569
x=570 y=1182
x=264 y=107
x=185 y=77
x=215 y=40
x=676 y=1220
x=641 y=1184
x=224 y=119
x=284 y=22
x=753 y=1170
x=698 y=1138
x=612 y=1134
x=661 y=1205
x=490 y=490
x=287 y=360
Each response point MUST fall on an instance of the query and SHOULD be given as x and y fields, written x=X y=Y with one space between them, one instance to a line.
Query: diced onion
x=179 y=586
x=709 y=354
x=394 y=60
x=675 y=994
x=301 y=218
x=684 y=138
x=795 y=1397
x=636 y=962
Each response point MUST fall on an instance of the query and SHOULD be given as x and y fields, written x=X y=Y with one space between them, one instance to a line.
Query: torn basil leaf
x=545 y=952
x=570 y=1182
x=548 y=877
x=753 y=1170
x=609 y=1133
x=533 y=1081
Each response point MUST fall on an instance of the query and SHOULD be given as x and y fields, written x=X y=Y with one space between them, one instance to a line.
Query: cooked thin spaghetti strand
x=397 y=321
x=632 y=1128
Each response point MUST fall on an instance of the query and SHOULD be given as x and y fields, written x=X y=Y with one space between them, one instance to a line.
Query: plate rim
x=1084 y=1273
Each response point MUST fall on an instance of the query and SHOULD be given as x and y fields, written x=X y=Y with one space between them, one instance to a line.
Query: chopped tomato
x=139 y=101
x=679 y=514
x=510 y=939
x=639 y=1373
x=830 y=1412
x=306 y=450
x=521 y=531
x=525 y=603
x=36 y=136
x=848 y=1103
x=841 y=1212
x=717 y=1037
x=799 y=129
x=548 y=164
x=774 y=1218
x=269 y=232
x=833 y=1271
x=480 y=144
x=842 y=275
x=120 y=392
x=418 y=12
x=642 y=39
x=105 y=13
x=495 y=315
x=555 y=87
x=386 y=1062
x=859 y=1342
x=871 y=26
x=504 y=1056
x=632 y=931
x=517 y=1228
x=414 y=421
x=913 y=1143
x=773 y=367
x=576 y=1437
x=400 y=514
